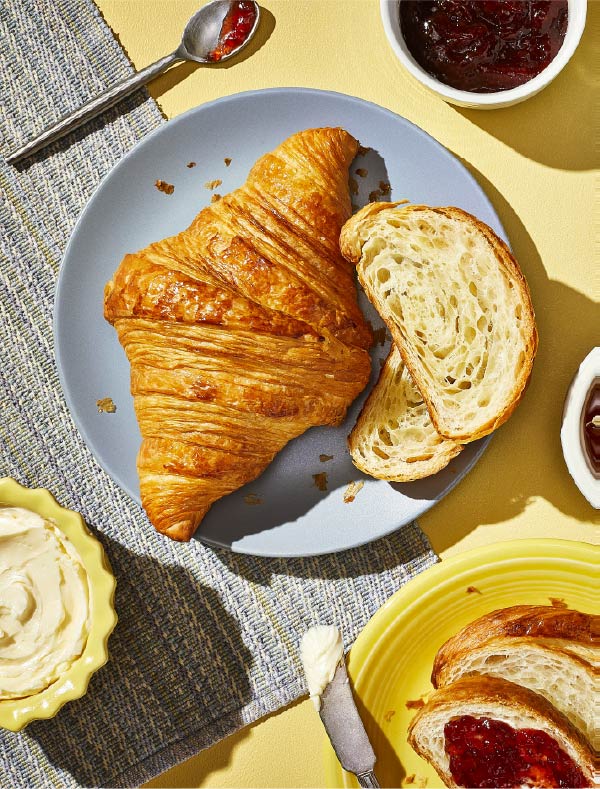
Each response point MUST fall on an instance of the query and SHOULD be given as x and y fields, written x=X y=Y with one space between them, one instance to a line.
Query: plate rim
x=79 y=423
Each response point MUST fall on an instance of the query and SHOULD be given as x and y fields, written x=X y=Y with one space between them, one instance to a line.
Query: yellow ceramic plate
x=16 y=713
x=391 y=660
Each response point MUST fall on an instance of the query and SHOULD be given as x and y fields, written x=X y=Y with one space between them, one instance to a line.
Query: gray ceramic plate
x=127 y=212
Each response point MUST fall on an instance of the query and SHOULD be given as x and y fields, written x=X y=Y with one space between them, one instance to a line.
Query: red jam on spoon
x=235 y=29
x=483 y=46
x=490 y=753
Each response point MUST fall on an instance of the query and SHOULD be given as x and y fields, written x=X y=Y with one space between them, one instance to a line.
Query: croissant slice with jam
x=242 y=331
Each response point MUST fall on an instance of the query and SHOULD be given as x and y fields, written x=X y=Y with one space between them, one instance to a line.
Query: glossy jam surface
x=235 y=29
x=483 y=46
x=591 y=427
x=490 y=753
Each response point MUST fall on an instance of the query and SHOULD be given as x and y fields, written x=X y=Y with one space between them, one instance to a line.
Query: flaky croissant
x=243 y=330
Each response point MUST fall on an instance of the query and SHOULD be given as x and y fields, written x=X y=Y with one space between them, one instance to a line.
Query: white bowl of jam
x=484 y=54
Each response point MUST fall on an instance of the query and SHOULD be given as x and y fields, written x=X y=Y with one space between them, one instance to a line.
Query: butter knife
x=346 y=730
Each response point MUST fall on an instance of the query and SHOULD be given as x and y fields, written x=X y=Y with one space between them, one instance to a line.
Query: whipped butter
x=44 y=603
x=321 y=651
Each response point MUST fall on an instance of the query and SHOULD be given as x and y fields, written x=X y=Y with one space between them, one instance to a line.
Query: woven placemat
x=207 y=640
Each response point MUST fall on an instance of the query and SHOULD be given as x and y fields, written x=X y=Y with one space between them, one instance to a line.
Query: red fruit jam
x=235 y=29
x=591 y=427
x=490 y=753
x=483 y=46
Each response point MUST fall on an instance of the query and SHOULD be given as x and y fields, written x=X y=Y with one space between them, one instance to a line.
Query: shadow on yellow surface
x=524 y=460
x=557 y=127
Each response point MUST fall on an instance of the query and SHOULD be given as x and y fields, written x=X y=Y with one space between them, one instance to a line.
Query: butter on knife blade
x=323 y=658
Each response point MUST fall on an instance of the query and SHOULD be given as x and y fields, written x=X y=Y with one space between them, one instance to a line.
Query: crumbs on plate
x=414 y=704
x=320 y=480
x=163 y=186
x=387 y=717
x=362 y=172
x=227 y=161
x=473 y=590
x=415 y=780
x=106 y=406
x=379 y=335
x=557 y=602
x=191 y=164
x=352 y=491
x=213 y=184
x=252 y=498
x=325 y=458
x=384 y=187
x=215 y=197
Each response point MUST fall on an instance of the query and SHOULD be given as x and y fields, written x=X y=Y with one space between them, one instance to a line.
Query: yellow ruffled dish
x=16 y=713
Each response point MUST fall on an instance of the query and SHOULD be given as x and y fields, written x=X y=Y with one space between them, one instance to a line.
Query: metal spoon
x=199 y=41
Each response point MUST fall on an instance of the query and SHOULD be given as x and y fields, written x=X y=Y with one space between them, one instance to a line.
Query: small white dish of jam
x=484 y=53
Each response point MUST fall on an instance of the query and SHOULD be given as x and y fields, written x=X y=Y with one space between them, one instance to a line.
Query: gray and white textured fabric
x=206 y=640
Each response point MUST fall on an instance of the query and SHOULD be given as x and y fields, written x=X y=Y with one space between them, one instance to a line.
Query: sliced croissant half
x=243 y=330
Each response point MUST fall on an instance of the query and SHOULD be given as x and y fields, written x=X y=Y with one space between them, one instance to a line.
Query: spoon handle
x=94 y=107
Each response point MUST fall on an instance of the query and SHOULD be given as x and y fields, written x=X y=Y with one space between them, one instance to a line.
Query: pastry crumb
x=214 y=198
x=409 y=780
x=389 y=715
x=320 y=480
x=362 y=172
x=213 y=184
x=352 y=491
x=325 y=458
x=252 y=498
x=384 y=187
x=191 y=164
x=227 y=161
x=362 y=150
x=374 y=195
x=106 y=406
x=557 y=602
x=414 y=704
x=163 y=186
x=353 y=184
x=473 y=590
x=379 y=336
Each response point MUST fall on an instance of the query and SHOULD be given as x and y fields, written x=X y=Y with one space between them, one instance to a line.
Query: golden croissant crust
x=242 y=331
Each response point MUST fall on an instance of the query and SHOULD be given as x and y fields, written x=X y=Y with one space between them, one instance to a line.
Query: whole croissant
x=243 y=330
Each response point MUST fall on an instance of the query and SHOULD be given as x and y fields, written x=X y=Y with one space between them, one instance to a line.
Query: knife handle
x=368 y=780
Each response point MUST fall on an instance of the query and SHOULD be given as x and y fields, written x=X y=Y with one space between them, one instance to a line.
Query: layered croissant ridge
x=242 y=331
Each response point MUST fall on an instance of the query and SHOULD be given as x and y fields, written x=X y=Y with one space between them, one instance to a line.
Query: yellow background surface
x=538 y=162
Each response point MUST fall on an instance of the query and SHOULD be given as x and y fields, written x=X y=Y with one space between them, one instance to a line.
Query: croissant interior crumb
x=352 y=490
x=213 y=184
